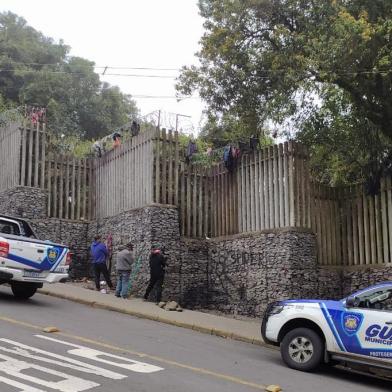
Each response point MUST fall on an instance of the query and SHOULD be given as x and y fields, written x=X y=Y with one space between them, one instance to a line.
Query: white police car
x=356 y=330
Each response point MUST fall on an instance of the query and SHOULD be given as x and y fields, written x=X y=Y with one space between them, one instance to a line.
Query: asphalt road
x=102 y=351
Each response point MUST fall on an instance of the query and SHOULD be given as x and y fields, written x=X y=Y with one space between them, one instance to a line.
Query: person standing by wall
x=124 y=262
x=99 y=253
x=157 y=273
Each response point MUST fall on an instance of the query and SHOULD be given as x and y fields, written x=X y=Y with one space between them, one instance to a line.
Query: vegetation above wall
x=36 y=70
x=320 y=68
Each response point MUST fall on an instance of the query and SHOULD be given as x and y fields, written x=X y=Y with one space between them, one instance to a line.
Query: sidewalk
x=246 y=331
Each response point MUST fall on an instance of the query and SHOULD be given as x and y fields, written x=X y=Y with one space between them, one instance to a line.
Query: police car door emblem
x=52 y=255
x=351 y=322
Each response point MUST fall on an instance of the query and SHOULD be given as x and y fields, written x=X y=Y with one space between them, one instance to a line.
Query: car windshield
x=376 y=298
x=369 y=291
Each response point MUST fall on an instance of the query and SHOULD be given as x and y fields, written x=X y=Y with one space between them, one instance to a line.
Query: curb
x=194 y=327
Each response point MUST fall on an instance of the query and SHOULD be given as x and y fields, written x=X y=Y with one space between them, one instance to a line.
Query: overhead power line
x=142 y=68
x=163 y=97
x=141 y=76
x=82 y=73
x=108 y=67
x=339 y=73
x=101 y=66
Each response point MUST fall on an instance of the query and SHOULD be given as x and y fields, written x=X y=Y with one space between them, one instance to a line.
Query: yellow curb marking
x=221 y=376
x=273 y=388
x=50 y=329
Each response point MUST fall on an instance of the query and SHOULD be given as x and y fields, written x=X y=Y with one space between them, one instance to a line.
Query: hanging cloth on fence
x=97 y=146
x=135 y=128
x=253 y=142
x=190 y=150
x=228 y=158
x=231 y=155
x=109 y=247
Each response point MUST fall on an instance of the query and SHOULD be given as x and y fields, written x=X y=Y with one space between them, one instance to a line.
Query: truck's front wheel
x=23 y=290
x=302 y=349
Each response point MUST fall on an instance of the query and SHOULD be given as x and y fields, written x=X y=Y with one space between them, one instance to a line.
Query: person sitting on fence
x=135 y=128
x=124 y=262
x=116 y=139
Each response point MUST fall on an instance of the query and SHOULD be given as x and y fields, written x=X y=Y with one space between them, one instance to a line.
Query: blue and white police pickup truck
x=356 y=330
x=26 y=262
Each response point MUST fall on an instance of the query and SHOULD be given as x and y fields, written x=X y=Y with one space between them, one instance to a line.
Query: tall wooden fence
x=269 y=189
x=69 y=183
x=9 y=156
x=367 y=225
x=166 y=167
x=273 y=188
x=326 y=222
x=28 y=158
x=196 y=207
x=124 y=176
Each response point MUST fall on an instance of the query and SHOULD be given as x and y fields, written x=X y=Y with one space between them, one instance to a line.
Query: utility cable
x=99 y=66
x=82 y=73
x=269 y=70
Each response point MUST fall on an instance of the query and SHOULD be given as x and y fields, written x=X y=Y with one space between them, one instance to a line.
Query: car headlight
x=276 y=309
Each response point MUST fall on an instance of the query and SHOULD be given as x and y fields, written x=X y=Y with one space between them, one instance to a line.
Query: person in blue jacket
x=99 y=254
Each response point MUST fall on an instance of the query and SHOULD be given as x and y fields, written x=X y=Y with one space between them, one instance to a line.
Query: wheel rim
x=301 y=349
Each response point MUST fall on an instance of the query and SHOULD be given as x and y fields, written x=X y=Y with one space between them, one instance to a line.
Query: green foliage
x=71 y=145
x=345 y=149
x=200 y=157
x=232 y=129
x=35 y=70
x=285 y=60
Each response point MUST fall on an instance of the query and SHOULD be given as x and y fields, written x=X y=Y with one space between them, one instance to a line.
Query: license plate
x=33 y=274
x=61 y=270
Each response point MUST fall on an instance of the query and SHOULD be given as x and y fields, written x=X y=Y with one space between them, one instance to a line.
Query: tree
x=344 y=147
x=35 y=70
x=233 y=129
x=282 y=59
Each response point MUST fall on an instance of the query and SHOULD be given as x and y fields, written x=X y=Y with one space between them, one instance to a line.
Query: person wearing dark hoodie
x=99 y=254
x=157 y=273
x=124 y=261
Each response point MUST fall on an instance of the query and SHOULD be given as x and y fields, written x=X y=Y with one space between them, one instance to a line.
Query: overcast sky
x=127 y=33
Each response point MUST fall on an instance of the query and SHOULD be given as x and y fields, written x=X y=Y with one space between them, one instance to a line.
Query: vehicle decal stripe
x=24 y=261
x=60 y=259
x=332 y=326
x=44 y=265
